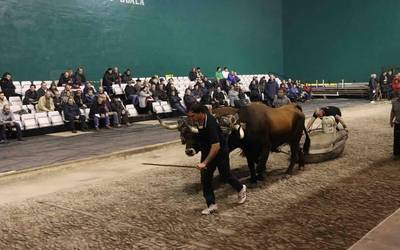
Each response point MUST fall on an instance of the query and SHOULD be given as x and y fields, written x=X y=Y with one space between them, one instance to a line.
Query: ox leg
x=301 y=159
x=250 y=163
x=262 y=164
x=293 y=151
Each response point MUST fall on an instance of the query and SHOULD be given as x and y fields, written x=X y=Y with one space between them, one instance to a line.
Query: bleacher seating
x=29 y=121
x=42 y=120
x=132 y=112
x=55 y=118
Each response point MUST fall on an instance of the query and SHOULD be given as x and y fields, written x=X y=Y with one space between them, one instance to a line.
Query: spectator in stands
x=118 y=107
x=3 y=100
x=175 y=102
x=8 y=121
x=255 y=92
x=306 y=94
x=231 y=78
x=145 y=99
x=99 y=111
x=294 y=93
x=31 y=96
x=78 y=98
x=225 y=73
x=103 y=92
x=116 y=76
x=89 y=86
x=270 y=90
x=46 y=103
x=373 y=86
x=188 y=98
x=153 y=91
x=209 y=85
x=66 y=94
x=108 y=80
x=219 y=97
x=42 y=90
x=65 y=79
x=132 y=94
x=170 y=86
x=7 y=85
x=79 y=78
x=155 y=80
x=203 y=89
x=233 y=96
x=193 y=74
x=161 y=93
x=262 y=83
x=90 y=98
x=197 y=92
x=218 y=75
x=390 y=78
x=242 y=97
x=384 y=85
x=126 y=77
x=281 y=99
x=199 y=74
x=56 y=95
x=73 y=115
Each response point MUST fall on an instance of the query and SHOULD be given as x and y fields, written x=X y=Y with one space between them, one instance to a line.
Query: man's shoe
x=242 y=195
x=211 y=209
x=118 y=125
x=108 y=127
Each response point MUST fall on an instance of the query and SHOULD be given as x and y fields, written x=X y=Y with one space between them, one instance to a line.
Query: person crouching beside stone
x=395 y=123
x=327 y=111
x=72 y=114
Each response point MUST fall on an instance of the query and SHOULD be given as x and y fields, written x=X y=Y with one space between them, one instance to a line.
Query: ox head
x=188 y=135
x=230 y=123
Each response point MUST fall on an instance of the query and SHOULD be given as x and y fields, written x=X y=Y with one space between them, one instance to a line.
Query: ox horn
x=168 y=126
x=193 y=129
x=239 y=128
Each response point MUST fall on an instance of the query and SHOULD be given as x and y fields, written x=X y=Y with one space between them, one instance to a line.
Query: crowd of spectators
x=109 y=108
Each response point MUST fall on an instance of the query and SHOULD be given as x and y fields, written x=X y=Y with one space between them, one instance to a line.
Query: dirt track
x=125 y=205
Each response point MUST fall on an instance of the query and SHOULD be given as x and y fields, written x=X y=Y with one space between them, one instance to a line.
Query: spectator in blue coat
x=270 y=90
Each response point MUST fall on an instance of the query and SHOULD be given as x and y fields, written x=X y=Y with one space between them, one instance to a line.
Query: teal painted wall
x=340 y=39
x=41 y=38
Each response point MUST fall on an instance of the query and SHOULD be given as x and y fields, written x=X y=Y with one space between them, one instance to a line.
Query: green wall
x=41 y=38
x=340 y=39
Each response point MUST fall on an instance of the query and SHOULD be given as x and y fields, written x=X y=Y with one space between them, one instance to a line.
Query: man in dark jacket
x=7 y=85
x=193 y=75
x=118 y=107
x=99 y=111
x=79 y=78
x=270 y=90
x=65 y=79
x=126 y=77
x=219 y=97
x=42 y=90
x=73 y=115
x=108 y=80
x=132 y=94
x=31 y=96
x=255 y=93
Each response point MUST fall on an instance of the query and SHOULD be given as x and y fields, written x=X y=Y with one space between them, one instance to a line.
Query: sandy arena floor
x=122 y=204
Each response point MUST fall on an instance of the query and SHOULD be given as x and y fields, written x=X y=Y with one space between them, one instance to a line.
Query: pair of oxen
x=257 y=130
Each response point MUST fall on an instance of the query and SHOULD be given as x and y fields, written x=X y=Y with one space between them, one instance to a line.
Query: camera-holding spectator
x=42 y=90
x=219 y=97
x=46 y=103
x=7 y=121
x=73 y=115
x=281 y=99
x=65 y=79
x=118 y=107
x=79 y=78
x=7 y=85
x=175 y=102
x=3 y=100
x=31 y=96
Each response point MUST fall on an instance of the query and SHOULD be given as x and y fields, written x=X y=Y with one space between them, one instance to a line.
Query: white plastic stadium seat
x=43 y=122
x=157 y=108
x=26 y=83
x=15 y=101
x=166 y=107
x=131 y=110
x=15 y=108
x=55 y=118
x=29 y=121
x=117 y=89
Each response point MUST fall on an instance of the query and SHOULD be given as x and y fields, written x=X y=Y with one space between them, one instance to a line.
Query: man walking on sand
x=395 y=123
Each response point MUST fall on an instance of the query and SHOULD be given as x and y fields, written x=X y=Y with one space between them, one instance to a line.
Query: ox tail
x=307 y=142
x=299 y=107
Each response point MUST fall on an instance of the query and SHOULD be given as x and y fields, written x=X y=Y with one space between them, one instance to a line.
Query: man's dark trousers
x=222 y=163
x=396 y=144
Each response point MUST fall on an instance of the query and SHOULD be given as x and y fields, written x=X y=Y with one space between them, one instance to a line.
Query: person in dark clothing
x=7 y=85
x=161 y=93
x=90 y=98
x=73 y=115
x=42 y=90
x=117 y=77
x=270 y=91
x=390 y=78
x=79 y=78
x=327 y=111
x=395 y=123
x=373 y=85
x=8 y=121
x=126 y=77
x=118 y=107
x=219 y=98
x=89 y=86
x=65 y=79
x=31 y=96
x=108 y=80
x=99 y=111
x=131 y=93
x=78 y=98
x=188 y=98
x=193 y=75
x=214 y=154
x=175 y=102
x=56 y=96
x=255 y=92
